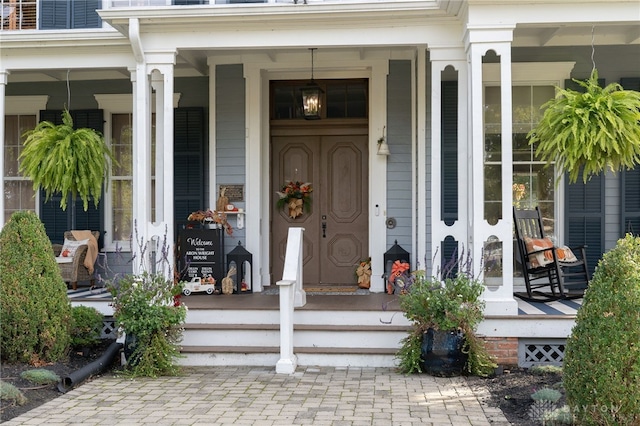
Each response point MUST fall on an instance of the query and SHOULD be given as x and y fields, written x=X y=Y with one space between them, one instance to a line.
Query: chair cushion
x=70 y=247
x=545 y=257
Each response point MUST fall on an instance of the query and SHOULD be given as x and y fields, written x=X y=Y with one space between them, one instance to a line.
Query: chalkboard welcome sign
x=201 y=253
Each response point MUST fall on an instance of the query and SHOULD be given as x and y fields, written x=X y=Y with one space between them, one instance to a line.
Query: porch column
x=162 y=229
x=141 y=162
x=498 y=292
x=4 y=74
x=257 y=182
x=441 y=58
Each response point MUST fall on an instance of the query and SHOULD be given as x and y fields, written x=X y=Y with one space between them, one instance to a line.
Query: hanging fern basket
x=589 y=132
x=61 y=159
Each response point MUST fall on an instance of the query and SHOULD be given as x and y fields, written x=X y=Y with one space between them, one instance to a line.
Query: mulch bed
x=511 y=392
x=37 y=395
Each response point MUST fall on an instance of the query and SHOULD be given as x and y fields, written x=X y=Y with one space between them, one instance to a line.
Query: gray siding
x=399 y=164
x=230 y=136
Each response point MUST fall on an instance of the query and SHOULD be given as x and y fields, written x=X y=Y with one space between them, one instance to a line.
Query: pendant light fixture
x=311 y=96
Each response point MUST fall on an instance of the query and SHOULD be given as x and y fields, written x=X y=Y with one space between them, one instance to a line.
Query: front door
x=336 y=224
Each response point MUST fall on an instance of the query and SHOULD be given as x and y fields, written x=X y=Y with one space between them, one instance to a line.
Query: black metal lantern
x=311 y=97
x=394 y=253
x=242 y=260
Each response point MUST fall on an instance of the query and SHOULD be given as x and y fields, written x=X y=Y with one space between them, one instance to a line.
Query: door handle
x=324 y=229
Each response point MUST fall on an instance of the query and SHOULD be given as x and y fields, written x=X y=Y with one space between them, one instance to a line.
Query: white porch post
x=421 y=155
x=441 y=58
x=377 y=172
x=254 y=172
x=3 y=84
x=141 y=161
x=499 y=291
x=164 y=221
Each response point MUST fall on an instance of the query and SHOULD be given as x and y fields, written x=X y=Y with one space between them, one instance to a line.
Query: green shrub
x=546 y=394
x=86 y=326
x=602 y=361
x=9 y=392
x=35 y=312
x=40 y=376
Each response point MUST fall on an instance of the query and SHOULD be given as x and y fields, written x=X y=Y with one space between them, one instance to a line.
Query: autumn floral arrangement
x=210 y=216
x=295 y=196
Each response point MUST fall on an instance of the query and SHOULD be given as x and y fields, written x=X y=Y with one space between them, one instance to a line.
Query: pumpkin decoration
x=227 y=282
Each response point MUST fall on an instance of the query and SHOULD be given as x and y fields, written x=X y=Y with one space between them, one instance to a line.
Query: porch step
x=361 y=340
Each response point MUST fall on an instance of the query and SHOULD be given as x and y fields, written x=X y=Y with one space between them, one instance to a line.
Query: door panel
x=344 y=241
x=336 y=225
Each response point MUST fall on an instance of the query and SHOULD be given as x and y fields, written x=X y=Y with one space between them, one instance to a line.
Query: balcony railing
x=19 y=14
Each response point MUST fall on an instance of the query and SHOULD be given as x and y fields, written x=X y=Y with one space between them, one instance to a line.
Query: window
x=533 y=181
x=121 y=191
x=341 y=98
x=18 y=190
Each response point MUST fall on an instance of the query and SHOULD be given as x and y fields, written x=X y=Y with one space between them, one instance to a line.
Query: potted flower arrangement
x=444 y=310
x=296 y=196
x=209 y=217
x=146 y=307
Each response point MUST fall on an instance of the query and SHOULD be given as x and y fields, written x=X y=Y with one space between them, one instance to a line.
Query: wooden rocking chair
x=550 y=272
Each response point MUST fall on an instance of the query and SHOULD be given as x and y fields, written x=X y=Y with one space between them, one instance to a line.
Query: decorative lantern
x=394 y=253
x=311 y=97
x=242 y=260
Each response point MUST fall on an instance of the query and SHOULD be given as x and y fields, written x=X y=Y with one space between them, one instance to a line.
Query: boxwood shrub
x=602 y=361
x=35 y=313
x=86 y=326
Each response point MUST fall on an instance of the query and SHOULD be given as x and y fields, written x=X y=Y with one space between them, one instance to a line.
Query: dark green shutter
x=85 y=14
x=189 y=173
x=54 y=14
x=630 y=183
x=449 y=162
x=68 y=14
x=56 y=221
x=584 y=217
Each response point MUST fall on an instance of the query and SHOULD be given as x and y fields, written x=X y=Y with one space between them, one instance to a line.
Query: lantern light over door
x=311 y=97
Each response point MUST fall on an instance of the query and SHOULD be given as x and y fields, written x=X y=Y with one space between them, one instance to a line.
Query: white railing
x=291 y=295
x=18 y=14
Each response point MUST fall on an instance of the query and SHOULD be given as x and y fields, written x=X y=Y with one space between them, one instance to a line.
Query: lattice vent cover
x=541 y=353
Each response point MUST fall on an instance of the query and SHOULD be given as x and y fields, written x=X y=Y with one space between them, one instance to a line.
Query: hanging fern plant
x=61 y=159
x=591 y=131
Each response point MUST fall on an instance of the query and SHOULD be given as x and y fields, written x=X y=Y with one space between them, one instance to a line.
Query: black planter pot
x=130 y=346
x=442 y=353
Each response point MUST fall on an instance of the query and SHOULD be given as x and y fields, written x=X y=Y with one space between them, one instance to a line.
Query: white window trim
x=117 y=104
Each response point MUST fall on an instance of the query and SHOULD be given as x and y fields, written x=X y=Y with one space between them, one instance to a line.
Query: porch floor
x=346 y=302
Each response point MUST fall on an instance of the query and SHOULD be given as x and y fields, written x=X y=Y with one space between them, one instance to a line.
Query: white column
x=421 y=239
x=141 y=162
x=499 y=293
x=3 y=84
x=164 y=224
x=377 y=172
x=254 y=171
x=441 y=58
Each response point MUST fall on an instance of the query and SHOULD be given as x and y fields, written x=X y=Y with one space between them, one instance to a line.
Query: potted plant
x=443 y=310
x=61 y=159
x=146 y=308
x=591 y=131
